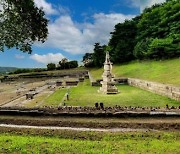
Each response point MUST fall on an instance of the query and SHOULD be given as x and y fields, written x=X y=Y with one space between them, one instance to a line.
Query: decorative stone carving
x=108 y=84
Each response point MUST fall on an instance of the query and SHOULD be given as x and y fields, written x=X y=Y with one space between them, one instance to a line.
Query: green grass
x=86 y=95
x=167 y=71
x=104 y=143
x=54 y=99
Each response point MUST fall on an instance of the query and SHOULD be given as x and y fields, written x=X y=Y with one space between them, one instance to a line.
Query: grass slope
x=86 y=95
x=167 y=71
x=92 y=142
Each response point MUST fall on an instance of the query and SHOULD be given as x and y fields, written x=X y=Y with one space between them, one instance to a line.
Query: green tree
x=123 y=41
x=160 y=23
x=73 y=64
x=99 y=55
x=163 y=48
x=141 y=48
x=51 y=66
x=88 y=60
x=21 y=24
x=63 y=64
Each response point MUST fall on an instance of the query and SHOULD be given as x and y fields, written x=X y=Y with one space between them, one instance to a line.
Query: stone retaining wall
x=158 y=88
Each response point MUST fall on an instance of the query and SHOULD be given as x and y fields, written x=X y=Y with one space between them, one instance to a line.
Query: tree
x=163 y=48
x=99 y=55
x=158 y=33
x=88 y=60
x=63 y=63
x=141 y=48
x=21 y=24
x=51 y=66
x=123 y=41
x=73 y=64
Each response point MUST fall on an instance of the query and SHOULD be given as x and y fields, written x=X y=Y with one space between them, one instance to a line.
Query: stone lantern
x=108 y=84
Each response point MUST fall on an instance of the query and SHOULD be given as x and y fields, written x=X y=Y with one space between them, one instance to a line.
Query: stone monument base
x=108 y=88
x=109 y=91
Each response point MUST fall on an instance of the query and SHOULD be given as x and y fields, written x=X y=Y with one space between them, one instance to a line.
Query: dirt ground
x=13 y=93
x=165 y=124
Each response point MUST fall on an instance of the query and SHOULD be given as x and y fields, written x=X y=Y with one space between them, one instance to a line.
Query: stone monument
x=108 y=84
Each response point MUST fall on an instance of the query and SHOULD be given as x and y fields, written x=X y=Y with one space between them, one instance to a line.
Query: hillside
x=167 y=71
x=4 y=70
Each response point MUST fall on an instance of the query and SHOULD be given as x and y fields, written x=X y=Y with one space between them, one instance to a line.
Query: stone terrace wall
x=158 y=88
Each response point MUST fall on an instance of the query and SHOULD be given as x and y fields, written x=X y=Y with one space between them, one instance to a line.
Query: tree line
x=154 y=34
x=63 y=64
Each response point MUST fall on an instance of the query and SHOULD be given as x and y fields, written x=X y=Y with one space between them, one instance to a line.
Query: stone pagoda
x=108 y=84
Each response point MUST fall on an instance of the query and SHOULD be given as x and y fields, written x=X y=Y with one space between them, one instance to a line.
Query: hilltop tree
x=21 y=24
x=51 y=66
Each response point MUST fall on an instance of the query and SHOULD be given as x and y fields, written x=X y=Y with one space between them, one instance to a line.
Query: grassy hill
x=166 y=71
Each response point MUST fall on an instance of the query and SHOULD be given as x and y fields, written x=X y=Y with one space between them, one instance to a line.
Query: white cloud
x=134 y=3
x=47 y=7
x=48 y=58
x=78 y=38
x=148 y=3
x=63 y=10
x=17 y=56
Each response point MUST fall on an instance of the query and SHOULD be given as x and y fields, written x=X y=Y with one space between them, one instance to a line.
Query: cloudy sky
x=74 y=27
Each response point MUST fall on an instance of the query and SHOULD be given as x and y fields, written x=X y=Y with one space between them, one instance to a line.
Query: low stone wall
x=158 y=88
x=72 y=83
x=93 y=111
x=121 y=80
